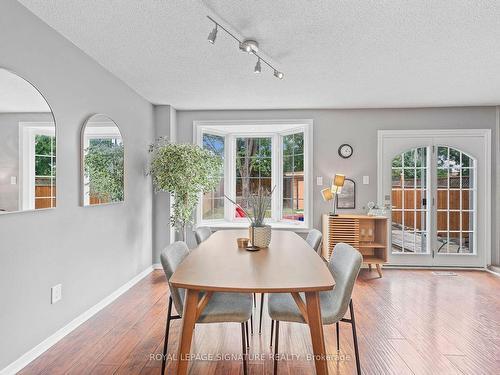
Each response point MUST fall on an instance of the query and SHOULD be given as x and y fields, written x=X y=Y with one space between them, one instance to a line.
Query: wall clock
x=345 y=151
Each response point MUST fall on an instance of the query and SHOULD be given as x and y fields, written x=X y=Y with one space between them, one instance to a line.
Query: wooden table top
x=288 y=265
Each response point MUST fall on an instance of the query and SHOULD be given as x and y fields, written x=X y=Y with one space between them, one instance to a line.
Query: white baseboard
x=32 y=354
x=495 y=270
x=408 y=267
x=157 y=266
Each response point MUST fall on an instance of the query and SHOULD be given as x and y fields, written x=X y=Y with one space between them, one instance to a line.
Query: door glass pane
x=455 y=201
x=442 y=220
x=467 y=244
x=442 y=199
x=409 y=201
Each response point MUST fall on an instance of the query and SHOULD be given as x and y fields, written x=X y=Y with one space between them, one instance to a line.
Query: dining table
x=287 y=265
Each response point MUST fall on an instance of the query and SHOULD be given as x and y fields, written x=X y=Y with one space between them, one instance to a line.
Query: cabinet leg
x=379 y=269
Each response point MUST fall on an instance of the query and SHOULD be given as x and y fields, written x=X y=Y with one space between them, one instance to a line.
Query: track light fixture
x=213 y=35
x=249 y=46
x=257 y=68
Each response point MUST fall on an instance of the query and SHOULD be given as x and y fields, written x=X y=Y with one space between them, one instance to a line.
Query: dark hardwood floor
x=409 y=322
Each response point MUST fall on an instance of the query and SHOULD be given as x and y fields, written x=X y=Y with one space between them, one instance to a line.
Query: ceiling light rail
x=247 y=45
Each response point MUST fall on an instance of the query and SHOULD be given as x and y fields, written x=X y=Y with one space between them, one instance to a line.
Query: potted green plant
x=258 y=204
x=184 y=171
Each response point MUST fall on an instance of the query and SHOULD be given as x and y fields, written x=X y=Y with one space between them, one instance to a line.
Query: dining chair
x=201 y=234
x=344 y=265
x=221 y=307
x=313 y=239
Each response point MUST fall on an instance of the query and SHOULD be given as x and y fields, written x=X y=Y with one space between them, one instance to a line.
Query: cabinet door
x=366 y=230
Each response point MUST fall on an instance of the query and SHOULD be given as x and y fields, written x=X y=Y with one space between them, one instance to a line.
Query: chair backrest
x=314 y=238
x=171 y=257
x=201 y=234
x=344 y=265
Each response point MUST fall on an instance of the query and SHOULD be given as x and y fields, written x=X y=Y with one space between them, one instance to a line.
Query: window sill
x=299 y=227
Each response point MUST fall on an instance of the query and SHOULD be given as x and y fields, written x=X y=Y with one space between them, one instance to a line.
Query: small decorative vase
x=260 y=236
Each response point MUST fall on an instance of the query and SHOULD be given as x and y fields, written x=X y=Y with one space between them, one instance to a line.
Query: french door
x=437 y=185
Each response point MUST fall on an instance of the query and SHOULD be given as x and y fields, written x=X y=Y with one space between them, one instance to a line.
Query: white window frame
x=27 y=133
x=275 y=129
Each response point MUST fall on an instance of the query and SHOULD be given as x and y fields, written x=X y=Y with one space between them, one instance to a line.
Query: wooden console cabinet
x=366 y=233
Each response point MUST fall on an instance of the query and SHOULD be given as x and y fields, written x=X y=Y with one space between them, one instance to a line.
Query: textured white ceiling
x=335 y=54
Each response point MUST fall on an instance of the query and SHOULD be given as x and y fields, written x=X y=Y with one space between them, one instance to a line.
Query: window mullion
x=229 y=176
x=277 y=177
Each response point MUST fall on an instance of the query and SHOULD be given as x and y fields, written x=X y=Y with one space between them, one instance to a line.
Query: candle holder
x=252 y=238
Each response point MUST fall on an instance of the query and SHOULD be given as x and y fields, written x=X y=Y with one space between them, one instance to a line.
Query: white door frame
x=485 y=134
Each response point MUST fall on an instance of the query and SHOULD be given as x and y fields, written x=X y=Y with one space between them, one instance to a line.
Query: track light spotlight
x=257 y=68
x=249 y=46
x=213 y=35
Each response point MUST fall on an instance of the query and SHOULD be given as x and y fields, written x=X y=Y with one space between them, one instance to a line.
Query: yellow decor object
x=327 y=194
x=331 y=193
x=338 y=180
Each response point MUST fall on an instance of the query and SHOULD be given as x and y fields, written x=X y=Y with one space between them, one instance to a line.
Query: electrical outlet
x=366 y=180
x=56 y=293
x=319 y=180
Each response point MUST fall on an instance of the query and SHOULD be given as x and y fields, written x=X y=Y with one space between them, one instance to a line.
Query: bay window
x=258 y=154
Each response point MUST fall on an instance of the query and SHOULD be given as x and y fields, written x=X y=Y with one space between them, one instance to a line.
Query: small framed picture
x=347 y=197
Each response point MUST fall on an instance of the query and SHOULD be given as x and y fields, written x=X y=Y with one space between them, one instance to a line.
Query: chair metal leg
x=338 y=335
x=276 y=338
x=251 y=324
x=355 y=338
x=247 y=336
x=165 y=343
x=261 y=307
x=244 y=348
x=272 y=330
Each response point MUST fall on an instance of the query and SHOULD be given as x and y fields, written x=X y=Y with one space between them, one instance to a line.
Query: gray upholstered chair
x=201 y=234
x=344 y=265
x=314 y=238
x=221 y=308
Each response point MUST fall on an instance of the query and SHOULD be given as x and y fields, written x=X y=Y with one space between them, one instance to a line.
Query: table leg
x=188 y=322
x=316 y=328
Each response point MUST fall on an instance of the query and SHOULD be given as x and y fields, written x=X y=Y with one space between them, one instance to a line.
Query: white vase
x=261 y=236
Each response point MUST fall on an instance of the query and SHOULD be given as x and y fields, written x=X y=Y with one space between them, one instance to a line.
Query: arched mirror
x=27 y=147
x=102 y=162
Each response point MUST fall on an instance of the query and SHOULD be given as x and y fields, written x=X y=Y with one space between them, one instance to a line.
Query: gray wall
x=92 y=251
x=9 y=155
x=164 y=126
x=358 y=128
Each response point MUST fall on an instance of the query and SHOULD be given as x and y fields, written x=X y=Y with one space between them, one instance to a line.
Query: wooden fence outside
x=442 y=201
